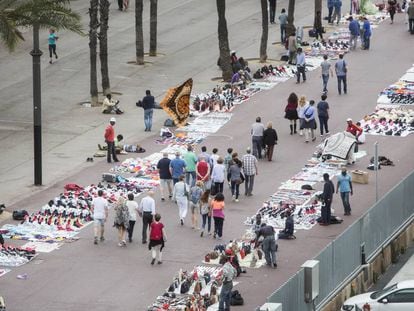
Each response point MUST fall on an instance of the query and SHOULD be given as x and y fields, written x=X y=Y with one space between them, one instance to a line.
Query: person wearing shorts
x=100 y=214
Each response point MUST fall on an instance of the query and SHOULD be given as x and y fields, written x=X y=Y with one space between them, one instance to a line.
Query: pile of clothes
x=11 y=256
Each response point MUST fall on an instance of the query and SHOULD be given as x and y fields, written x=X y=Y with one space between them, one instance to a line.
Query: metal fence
x=342 y=257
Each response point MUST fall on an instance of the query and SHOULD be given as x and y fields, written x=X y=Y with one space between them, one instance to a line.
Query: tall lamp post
x=37 y=107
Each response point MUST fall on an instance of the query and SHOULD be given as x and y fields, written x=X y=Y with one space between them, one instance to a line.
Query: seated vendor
x=110 y=106
x=117 y=143
x=287 y=233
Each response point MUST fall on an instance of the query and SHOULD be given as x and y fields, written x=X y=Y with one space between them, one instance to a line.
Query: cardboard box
x=359 y=177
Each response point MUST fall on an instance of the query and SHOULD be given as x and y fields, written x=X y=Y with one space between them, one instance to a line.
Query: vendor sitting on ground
x=110 y=106
x=123 y=148
x=287 y=233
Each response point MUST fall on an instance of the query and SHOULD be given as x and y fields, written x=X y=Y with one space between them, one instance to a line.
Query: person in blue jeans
x=229 y=273
x=325 y=71
x=148 y=103
x=341 y=71
x=344 y=186
x=323 y=114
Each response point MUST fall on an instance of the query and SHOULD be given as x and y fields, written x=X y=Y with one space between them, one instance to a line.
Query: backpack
x=195 y=194
x=307 y=115
x=236 y=299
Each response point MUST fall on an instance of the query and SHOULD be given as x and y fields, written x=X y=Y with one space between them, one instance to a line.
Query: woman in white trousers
x=180 y=195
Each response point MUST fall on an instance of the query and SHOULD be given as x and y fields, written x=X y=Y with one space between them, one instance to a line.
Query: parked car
x=397 y=297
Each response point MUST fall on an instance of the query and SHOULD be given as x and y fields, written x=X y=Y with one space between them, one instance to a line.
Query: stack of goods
x=340 y=34
x=389 y=121
x=15 y=256
x=196 y=290
x=332 y=48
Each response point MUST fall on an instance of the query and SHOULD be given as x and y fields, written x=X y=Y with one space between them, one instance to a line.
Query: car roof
x=405 y=284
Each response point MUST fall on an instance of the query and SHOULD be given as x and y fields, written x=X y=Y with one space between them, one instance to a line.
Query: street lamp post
x=37 y=107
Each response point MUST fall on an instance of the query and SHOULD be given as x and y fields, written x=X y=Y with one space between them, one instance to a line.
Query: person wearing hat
x=110 y=141
x=344 y=186
x=250 y=170
x=341 y=71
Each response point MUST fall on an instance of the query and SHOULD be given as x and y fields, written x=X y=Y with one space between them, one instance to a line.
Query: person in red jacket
x=110 y=141
x=354 y=130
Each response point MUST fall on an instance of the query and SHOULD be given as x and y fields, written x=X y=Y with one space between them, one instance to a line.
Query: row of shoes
x=15 y=256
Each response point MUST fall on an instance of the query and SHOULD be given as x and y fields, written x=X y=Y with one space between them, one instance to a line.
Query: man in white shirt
x=132 y=209
x=147 y=210
x=257 y=137
x=100 y=214
x=300 y=66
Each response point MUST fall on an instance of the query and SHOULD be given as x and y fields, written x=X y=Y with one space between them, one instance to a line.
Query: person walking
x=344 y=186
x=341 y=70
x=291 y=112
x=205 y=211
x=132 y=209
x=323 y=114
x=177 y=167
x=195 y=194
x=302 y=105
x=300 y=66
x=235 y=172
x=250 y=170
x=214 y=157
x=309 y=123
x=148 y=103
x=327 y=196
x=392 y=7
x=272 y=11
x=120 y=5
x=217 y=207
x=190 y=160
x=109 y=139
x=330 y=4
x=410 y=13
x=121 y=220
x=100 y=215
x=292 y=48
x=337 y=11
x=229 y=273
x=204 y=154
x=366 y=29
x=203 y=172
x=268 y=244
x=180 y=195
x=218 y=176
x=325 y=71
x=227 y=159
x=257 y=137
x=354 y=32
x=147 y=210
x=269 y=140
x=283 y=22
x=158 y=237
x=52 y=38
x=164 y=172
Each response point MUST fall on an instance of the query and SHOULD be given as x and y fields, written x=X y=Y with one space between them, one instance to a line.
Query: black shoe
x=159 y=262
x=202 y=234
x=274 y=266
x=162 y=199
x=116 y=160
x=95 y=241
x=182 y=222
x=144 y=242
x=152 y=261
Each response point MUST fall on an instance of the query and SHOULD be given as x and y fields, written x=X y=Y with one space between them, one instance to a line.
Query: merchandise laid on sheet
x=196 y=290
x=209 y=123
x=399 y=93
x=389 y=122
x=15 y=256
x=332 y=48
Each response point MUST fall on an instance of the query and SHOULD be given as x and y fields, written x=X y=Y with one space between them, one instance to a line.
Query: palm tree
x=139 y=36
x=223 y=41
x=103 y=45
x=153 y=28
x=93 y=41
x=265 y=31
x=318 y=8
x=290 y=27
x=36 y=14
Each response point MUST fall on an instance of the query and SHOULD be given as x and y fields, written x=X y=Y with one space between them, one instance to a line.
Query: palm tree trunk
x=103 y=45
x=153 y=28
x=290 y=27
x=223 y=40
x=318 y=8
x=265 y=31
x=139 y=36
x=93 y=40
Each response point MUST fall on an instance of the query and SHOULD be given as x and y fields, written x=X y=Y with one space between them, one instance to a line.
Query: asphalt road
x=83 y=276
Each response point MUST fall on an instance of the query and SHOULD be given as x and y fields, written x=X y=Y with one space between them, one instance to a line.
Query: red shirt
x=109 y=133
x=354 y=130
x=202 y=169
x=156 y=231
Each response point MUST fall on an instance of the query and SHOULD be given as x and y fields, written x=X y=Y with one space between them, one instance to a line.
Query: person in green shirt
x=190 y=160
